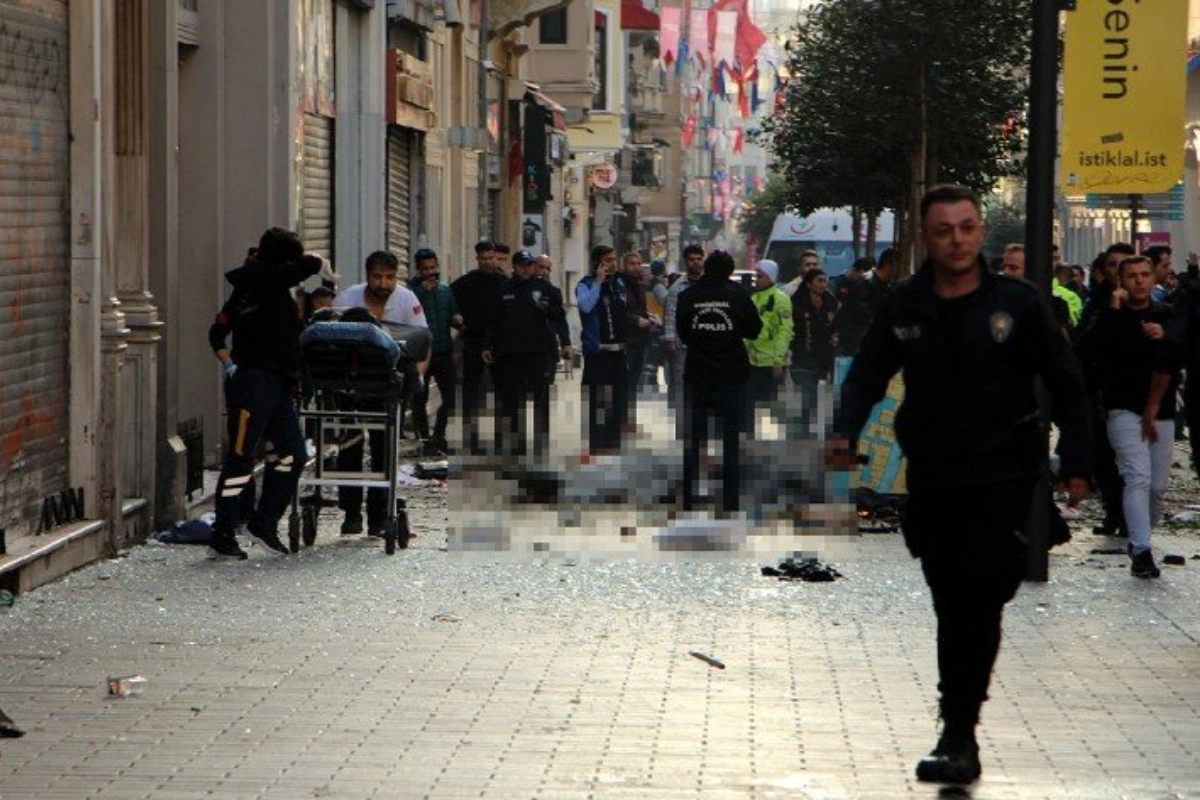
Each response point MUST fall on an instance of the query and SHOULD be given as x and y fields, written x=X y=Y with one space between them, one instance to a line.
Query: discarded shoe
x=267 y=539
x=1143 y=565
x=951 y=762
x=226 y=548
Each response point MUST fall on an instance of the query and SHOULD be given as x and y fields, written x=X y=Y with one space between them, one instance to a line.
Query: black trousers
x=606 y=392
x=522 y=379
x=441 y=369
x=1191 y=412
x=725 y=406
x=971 y=544
x=475 y=374
x=762 y=391
x=350 y=459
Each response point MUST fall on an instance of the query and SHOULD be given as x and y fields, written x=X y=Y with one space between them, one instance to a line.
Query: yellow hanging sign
x=1124 y=96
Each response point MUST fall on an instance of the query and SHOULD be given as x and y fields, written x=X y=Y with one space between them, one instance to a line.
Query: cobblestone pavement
x=344 y=673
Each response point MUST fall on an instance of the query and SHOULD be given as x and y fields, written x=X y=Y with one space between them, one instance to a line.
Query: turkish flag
x=749 y=37
x=689 y=130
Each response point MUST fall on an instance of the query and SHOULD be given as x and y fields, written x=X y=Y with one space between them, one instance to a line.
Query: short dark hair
x=500 y=247
x=1155 y=252
x=484 y=247
x=1064 y=272
x=424 y=254
x=889 y=256
x=1130 y=260
x=278 y=246
x=719 y=264
x=808 y=277
x=599 y=252
x=948 y=193
x=863 y=264
x=693 y=249
x=358 y=314
x=1120 y=248
x=382 y=258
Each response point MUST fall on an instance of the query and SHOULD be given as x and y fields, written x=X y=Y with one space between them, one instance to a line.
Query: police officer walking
x=476 y=294
x=714 y=320
x=518 y=340
x=260 y=381
x=970 y=345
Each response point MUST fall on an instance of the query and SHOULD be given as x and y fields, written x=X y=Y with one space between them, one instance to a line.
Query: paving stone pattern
x=343 y=673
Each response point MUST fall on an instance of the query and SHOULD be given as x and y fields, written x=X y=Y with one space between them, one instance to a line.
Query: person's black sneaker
x=375 y=529
x=955 y=762
x=226 y=548
x=1143 y=565
x=352 y=525
x=267 y=539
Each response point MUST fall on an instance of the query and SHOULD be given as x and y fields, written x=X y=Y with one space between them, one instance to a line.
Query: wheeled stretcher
x=356 y=377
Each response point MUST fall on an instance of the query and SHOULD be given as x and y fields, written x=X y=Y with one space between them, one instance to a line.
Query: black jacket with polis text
x=715 y=316
x=969 y=414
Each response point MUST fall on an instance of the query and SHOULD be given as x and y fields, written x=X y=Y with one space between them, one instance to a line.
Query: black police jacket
x=714 y=319
x=519 y=324
x=977 y=424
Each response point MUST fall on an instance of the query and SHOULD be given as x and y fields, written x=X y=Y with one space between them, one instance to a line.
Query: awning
x=636 y=17
x=558 y=112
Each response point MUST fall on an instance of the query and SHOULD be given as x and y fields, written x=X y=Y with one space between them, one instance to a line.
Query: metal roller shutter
x=34 y=259
x=400 y=143
x=316 y=191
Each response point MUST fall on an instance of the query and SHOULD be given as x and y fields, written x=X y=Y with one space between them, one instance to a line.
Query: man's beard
x=380 y=294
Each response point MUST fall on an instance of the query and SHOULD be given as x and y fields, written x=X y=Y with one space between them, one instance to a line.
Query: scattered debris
x=712 y=662
x=446 y=617
x=7 y=599
x=806 y=569
x=1175 y=560
x=8 y=728
x=124 y=687
x=1108 y=551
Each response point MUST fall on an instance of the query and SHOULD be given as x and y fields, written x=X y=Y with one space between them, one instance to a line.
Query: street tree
x=888 y=97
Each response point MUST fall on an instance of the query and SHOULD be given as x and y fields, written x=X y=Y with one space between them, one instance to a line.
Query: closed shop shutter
x=316 y=191
x=400 y=146
x=34 y=259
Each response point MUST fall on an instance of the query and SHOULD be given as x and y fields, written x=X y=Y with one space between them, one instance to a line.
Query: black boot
x=955 y=758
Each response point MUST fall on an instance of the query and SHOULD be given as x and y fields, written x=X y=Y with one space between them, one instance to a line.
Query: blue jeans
x=260 y=408
x=1145 y=467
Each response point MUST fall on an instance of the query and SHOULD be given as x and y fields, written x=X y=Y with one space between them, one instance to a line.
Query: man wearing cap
x=518 y=339
x=769 y=351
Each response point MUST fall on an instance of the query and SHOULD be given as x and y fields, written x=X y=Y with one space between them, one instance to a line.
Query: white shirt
x=403 y=307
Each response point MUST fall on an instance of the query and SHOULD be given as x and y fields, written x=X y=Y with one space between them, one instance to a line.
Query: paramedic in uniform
x=260 y=381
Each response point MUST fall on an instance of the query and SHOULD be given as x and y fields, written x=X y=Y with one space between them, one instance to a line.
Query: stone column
x=131 y=246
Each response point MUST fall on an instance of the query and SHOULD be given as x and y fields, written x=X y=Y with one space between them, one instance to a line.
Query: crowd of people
x=969 y=337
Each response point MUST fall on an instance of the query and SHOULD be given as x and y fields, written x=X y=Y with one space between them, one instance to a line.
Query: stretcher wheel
x=389 y=538
x=308 y=525
x=294 y=532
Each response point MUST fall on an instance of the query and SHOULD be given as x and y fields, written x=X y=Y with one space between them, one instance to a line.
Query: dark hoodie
x=262 y=314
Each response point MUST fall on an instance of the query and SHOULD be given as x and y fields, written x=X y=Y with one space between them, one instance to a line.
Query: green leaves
x=871 y=80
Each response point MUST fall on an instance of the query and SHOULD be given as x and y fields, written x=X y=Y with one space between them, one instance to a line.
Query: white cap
x=769 y=268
